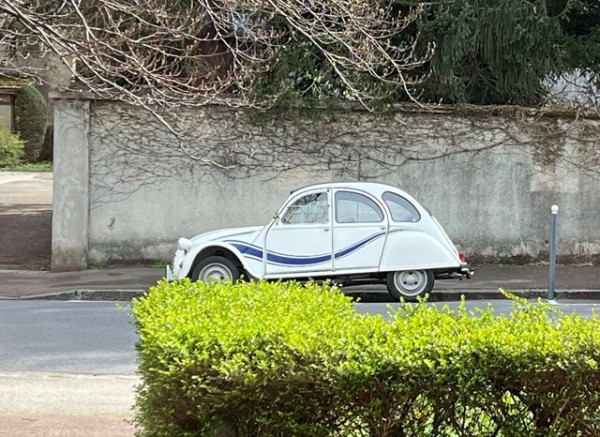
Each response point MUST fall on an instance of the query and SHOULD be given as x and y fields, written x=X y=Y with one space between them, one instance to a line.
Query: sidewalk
x=124 y=281
x=121 y=283
x=66 y=405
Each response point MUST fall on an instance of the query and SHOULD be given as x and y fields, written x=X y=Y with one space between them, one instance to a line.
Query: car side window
x=309 y=209
x=356 y=208
x=402 y=210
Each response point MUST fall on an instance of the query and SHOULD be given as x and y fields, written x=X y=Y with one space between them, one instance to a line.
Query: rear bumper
x=467 y=271
x=464 y=271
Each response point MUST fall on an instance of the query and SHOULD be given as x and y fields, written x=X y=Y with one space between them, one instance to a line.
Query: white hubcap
x=410 y=283
x=215 y=273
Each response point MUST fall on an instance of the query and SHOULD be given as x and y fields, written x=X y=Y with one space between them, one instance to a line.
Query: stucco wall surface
x=70 y=188
x=489 y=180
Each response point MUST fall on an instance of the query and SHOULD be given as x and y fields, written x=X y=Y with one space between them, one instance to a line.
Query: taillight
x=463 y=258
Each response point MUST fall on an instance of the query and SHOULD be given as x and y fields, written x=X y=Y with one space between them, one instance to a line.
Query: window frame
x=419 y=215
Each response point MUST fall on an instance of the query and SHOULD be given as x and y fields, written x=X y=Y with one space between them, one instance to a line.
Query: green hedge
x=11 y=148
x=285 y=359
x=47 y=150
x=31 y=113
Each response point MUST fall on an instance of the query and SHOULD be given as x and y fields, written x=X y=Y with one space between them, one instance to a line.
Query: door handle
x=326 y=229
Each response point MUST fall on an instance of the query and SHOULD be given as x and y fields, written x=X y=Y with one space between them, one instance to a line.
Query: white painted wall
x=483 y=177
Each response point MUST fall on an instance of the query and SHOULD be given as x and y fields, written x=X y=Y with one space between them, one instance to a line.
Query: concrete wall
x=489 y=180
x=70 y=218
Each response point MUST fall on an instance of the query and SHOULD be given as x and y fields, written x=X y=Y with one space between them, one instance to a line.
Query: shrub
x=11 y=148
x=286 y=359
x=46 y=154
x=30 y=120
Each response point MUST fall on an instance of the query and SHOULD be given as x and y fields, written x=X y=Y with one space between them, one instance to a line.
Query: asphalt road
x=67 y=337
x=99 y=337
x=501 y=307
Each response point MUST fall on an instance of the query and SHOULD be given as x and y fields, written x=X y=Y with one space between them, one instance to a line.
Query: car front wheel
x=215 y=269
x=410 y=284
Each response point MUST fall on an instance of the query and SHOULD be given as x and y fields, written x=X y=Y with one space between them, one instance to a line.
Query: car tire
x=410 y=284
x=215 y=269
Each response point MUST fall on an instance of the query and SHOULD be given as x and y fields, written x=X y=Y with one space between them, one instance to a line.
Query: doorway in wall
x=25 y=220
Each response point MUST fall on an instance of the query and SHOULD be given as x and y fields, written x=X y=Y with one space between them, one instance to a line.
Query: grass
x=105 y=265
x=28 y=166
x=96 y=266
x=159 y=264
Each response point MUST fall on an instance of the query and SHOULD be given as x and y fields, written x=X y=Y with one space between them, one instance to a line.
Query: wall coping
x=466 y=110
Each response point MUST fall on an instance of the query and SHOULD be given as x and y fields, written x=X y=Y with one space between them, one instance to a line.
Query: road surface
x=99 y=337
x=67 y=337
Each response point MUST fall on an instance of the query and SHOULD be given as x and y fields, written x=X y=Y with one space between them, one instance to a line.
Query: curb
x=526 y=294
x=485 y=294
x=364 y=296
x=84 y=295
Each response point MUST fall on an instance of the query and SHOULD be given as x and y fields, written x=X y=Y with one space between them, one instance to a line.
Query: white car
x=352 y=233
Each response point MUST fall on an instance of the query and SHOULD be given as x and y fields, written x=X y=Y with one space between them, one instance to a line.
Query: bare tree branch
x=195 y=52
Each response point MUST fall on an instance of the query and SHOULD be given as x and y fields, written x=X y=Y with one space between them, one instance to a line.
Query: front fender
x=210 y=248
x=410 y=249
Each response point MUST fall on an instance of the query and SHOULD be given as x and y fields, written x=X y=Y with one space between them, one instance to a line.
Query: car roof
x=374 y=188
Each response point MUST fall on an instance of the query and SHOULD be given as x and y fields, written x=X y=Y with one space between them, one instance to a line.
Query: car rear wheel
x=410 y=284
x=215 y=269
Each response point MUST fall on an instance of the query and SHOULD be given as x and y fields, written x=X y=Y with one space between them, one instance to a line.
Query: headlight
x=184 y=244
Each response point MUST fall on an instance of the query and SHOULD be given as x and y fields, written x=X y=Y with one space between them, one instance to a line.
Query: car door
x=300 y=241
x=359 y=232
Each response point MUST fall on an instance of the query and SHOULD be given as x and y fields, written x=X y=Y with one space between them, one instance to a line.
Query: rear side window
x=356 y=208
x=402 y=210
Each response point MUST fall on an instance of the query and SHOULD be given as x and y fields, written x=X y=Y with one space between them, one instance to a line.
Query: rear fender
x=410 y=249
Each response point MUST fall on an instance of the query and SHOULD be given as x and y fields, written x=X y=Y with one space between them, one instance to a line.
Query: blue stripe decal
x=256 y=252
x=344 y=252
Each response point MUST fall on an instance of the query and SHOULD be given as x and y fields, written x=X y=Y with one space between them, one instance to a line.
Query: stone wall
x=490 y=179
